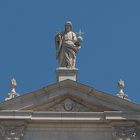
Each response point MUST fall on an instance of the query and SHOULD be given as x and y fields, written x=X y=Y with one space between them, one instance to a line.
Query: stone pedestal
x=63 y=73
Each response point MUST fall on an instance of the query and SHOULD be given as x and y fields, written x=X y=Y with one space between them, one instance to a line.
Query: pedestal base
x=63 y=73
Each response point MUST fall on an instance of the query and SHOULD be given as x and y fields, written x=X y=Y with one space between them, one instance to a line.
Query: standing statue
x=67 y=45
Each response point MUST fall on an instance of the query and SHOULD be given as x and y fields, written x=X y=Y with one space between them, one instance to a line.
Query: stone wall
x=67 y=132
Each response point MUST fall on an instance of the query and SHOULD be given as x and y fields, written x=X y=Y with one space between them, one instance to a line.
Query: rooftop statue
x=13 y=85
x=121 y=93
x=67 y=45
x=13 y=92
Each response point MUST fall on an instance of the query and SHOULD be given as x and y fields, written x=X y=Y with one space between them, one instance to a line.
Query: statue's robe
x=67 y=53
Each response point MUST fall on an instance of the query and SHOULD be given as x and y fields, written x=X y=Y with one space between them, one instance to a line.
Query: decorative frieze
x=12 y=131
x=69 y=105
x=124 y=132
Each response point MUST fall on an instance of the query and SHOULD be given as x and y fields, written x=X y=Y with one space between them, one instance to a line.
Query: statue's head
x=68 y=26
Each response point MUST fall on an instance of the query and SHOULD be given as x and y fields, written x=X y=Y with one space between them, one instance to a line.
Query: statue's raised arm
x=67 y=44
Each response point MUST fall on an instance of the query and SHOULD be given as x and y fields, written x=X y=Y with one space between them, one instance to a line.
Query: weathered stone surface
x=69 y=105
x=69 y=110
x=12 y=130
x=67 y=45
x=63 y=73
x=82 y=94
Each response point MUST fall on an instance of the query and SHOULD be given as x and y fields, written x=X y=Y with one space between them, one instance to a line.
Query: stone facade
x=69 y=110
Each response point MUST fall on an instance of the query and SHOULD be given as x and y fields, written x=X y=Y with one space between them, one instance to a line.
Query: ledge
x=70 y=116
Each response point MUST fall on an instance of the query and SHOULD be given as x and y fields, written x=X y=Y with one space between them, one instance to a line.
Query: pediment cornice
x=79 y=93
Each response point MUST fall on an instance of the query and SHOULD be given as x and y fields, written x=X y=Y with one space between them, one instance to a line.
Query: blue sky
x=110 y=51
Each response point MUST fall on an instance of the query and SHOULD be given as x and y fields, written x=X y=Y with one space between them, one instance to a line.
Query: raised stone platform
x=63 y=73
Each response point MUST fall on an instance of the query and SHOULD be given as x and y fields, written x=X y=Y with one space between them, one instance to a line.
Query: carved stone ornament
x=13 y=92
x=121 y=93
x=12 y=132
x=67 y=45
x=69 y=105
x=124 y=133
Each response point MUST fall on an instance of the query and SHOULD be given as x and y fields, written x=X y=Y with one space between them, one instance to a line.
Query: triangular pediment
x=69 y=96
x=68 y=103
